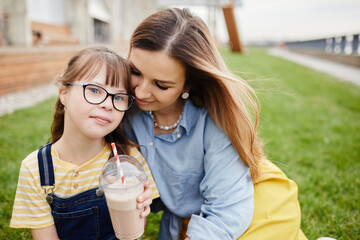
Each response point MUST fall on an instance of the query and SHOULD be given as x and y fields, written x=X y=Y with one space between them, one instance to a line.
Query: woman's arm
x=47 y=233
x=227 y=190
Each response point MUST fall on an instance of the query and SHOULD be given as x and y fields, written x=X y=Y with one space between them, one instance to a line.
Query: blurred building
x=38 y=37
x=84 y=22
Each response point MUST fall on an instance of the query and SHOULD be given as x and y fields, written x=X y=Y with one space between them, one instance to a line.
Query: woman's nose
x=142 y=89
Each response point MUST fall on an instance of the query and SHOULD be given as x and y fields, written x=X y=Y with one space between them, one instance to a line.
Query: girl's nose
x=107 y=104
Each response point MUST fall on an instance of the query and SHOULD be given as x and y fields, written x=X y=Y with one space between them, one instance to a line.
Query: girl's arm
x=45 y=233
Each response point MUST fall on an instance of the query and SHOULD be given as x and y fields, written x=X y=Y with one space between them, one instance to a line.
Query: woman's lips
x=142 y=102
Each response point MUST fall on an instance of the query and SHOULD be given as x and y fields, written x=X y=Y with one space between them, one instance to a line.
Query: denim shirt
x=199 y=174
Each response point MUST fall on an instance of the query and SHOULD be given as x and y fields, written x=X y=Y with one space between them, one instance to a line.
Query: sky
x=277 y=20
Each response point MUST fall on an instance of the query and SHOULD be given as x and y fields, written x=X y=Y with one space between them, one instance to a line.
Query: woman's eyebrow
x=165 y=81
x=161 y=81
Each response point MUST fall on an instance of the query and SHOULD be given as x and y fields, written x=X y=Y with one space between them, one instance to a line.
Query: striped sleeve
x=136 y=154
x=30 y=210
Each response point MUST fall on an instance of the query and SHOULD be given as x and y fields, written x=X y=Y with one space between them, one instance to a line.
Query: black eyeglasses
x=95 y=94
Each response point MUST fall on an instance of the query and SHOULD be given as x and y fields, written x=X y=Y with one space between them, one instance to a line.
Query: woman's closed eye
x=157 y=83
x=134 y=72
x=161 y=86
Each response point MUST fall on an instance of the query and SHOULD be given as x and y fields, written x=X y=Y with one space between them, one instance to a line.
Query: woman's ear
x=62 y=94
x=186 y=89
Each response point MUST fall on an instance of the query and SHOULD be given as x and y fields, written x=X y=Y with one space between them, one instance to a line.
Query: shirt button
x=151 y=143
x=76 y=174
x=75 y=186
x=178 y=135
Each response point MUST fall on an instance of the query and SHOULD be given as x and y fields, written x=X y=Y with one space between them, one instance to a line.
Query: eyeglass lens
x=96 y=95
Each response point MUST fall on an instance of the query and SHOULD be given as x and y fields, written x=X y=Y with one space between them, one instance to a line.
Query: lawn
x=310 y=124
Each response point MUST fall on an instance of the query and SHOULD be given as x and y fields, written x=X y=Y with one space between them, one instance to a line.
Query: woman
x=202 y=145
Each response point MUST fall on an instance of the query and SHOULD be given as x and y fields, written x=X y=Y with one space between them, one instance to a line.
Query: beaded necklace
x=166 y=128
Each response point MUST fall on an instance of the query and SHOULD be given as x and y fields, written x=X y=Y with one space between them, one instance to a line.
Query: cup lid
x=132 y=169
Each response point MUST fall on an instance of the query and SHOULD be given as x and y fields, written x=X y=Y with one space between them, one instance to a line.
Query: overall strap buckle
x=49 y=191
x=46 y=171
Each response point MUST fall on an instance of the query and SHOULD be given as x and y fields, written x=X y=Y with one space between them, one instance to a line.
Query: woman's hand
x=144 y=199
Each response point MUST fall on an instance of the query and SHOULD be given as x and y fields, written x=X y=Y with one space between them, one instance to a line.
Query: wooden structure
x=235 y=43
x=22 y=69
x=52 y=34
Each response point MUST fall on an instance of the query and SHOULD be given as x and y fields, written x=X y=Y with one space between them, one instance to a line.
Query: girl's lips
x=101 y=120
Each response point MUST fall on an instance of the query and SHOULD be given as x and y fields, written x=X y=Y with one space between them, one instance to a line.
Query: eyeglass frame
x=131 y=98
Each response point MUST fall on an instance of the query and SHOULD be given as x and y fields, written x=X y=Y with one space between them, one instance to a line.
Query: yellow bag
x=277 y=211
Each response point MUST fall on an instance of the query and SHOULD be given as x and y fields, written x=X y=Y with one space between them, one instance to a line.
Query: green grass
x=21 y=133
x=310 y=123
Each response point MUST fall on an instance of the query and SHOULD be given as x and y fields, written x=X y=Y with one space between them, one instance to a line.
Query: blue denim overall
x=81 y=216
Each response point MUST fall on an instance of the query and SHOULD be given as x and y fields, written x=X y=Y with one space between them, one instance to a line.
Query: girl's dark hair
x=86 y=64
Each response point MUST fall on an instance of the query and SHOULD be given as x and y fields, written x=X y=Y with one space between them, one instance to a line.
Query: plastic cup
x=121 y=198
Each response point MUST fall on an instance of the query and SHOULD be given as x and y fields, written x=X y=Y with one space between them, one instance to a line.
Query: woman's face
x=157 y=80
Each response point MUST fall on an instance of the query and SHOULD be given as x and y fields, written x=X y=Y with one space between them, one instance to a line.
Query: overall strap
x=46 y=168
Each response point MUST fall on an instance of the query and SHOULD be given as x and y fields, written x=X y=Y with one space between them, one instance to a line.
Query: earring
x=65 y=108
x=185 y=95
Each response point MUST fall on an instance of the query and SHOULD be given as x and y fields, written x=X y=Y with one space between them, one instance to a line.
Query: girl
x=56 y=195
x=203 y=148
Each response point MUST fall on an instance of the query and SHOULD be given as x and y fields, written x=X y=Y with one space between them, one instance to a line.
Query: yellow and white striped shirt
x=31 y=210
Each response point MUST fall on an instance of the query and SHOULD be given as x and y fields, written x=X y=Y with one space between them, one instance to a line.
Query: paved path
x=341 y=71
x=11 y=102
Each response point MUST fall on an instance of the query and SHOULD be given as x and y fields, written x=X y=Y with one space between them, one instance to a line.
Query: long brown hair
x=86 y=64
x=229 y=100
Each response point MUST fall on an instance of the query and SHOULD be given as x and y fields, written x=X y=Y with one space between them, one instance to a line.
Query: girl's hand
x=144 y=199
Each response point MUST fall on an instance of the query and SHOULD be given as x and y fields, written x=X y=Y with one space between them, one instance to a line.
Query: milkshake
x=121 y=197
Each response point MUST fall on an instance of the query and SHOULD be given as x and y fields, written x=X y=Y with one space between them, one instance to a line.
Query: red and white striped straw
x=116 y=155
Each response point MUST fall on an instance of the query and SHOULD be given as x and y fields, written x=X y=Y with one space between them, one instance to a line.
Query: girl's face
x=156 y=79
x=86 y=120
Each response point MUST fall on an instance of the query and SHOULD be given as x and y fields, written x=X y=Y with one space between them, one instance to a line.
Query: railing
x=348 y=45
x=343 y=49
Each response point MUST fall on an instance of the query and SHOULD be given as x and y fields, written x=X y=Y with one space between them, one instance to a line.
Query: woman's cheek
x=134 y=82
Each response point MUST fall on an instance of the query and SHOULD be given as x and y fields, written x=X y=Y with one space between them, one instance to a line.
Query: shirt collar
x=189 y=117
